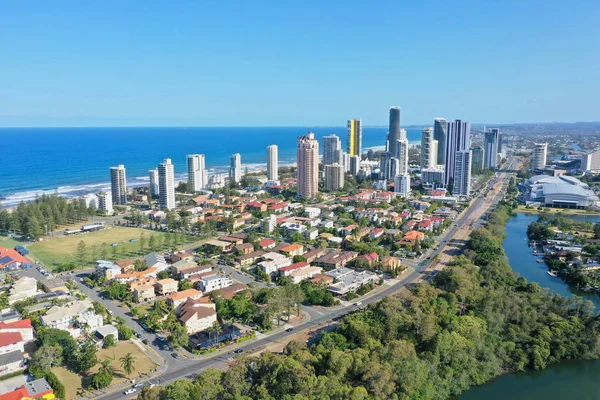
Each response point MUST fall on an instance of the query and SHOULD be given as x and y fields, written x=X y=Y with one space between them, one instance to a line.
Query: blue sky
x=291 y=63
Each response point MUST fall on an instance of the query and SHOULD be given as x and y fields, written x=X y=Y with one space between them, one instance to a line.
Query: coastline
x=546 y=211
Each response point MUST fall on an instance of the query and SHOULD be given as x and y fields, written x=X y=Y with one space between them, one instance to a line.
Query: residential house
x=197 y=316
x=104 y=331
x=376 y=233
x=347 y=231
x=11 y=341
x=419 y=205
x=301 y=274
x=336 y=259
x=230 y=291
x=53 y=285
x=311 y=234
x=219 y=246
x=22 y=289
x=11 y=260
x=313 y=254
x=370 y=258
x=410 y=225
x=390 y=263
x=425 y=225
x=144 y=292
x=23 y=327
x=347 y=280
x=327 y=224
x=322 y=279
x=175 y=300
x=193 y=270
x=257 y=206
x=233 y=239
x=182 y=255
x=312 y=212
x=73 y=318
x=108 y=270
x=36 y=390
x=267 y=244
x=288 y=269
x=166 y=286
x=126 y=265
x=270 y=267
x=10 y=363
x=411 y=237
x=293 y=249
x=244 y=248
x=214 y=282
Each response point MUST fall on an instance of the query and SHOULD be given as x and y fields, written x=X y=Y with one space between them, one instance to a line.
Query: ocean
x=76 y=161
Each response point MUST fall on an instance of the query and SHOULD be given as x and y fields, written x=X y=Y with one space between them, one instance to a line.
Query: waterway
x=573 y=380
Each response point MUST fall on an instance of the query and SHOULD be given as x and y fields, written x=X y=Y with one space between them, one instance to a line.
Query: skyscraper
x=308 y=165
x=458 y=139
x=331 y=148
x=334 y=177
x=393 y=168
x=428 y=157
x=402 y=185
x=462 y=173
x=354 y=165
x=272 y=163
x=500 y=146
x=540 y=153
x=440 y=132
x=345 y=161
x=153 y=189
x=384 y=165
x=355 y=137
x=402 y=156
x=490 y=154
x=118 y=184
x=166 y=185
x=196 y=172
x=235 y=168
x=478 y=156
x=394 y=132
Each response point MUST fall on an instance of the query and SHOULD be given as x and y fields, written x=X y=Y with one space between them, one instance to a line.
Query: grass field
x=143 y=366
x=63 y=249
x=7 y=242
x=546 y=210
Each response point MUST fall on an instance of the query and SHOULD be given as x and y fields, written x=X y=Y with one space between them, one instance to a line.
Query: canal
x=573 y=380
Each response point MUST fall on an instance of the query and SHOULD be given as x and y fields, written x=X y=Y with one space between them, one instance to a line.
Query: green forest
x=474 y=321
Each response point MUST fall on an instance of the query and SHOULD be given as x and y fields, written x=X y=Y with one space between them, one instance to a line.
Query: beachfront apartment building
x=197 y=173
x=166 y=185
x=153 y=189
x=118 y=184
x=235 y=168
x=104 y=203
x=308 y=166
x=272 y=163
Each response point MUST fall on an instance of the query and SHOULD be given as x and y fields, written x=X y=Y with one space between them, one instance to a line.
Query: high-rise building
x=440 y=132
x=462 y=173
x=500 y=146
x=354 y=165
x=478 y=154
x=331 y=149
x=458 y=139
x=384 y=163
x=591 y=161
x=402 y=156
x=196 y=172
x=166 y=185
x=104 y=202
x=153 y=187
x=432 y=175
x=393 y=168
x=346 y=161
x=269 y=223
x=490 y=145
x=402 y=185
x=272 y=163
x=308 y=165
x=355 y=137
x=235 y=168
x=118 y=184
x=540 y=153
x=428 y=156
x=394 y=132
x=334 y=177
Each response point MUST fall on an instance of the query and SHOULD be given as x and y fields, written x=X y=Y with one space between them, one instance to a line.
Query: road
x=424 y=270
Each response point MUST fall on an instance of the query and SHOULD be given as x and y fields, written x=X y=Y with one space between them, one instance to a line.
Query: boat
x=539 y=261
x=552 y=273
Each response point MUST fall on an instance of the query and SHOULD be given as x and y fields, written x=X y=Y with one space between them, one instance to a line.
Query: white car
x=130 y=391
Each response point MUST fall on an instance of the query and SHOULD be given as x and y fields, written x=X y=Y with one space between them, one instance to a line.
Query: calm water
x=75 y=161
x=573 y=380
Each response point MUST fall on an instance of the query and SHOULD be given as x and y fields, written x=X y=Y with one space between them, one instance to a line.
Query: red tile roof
x=13 y=256
x=22 y=324
x=19 y=394
x=266 y=242
x=8 y=338
x=294 y=266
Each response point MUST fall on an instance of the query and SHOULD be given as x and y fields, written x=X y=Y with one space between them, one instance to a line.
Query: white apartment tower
x=153 y=186
x=490 y=152
x=308 y=165
x=462 y=173
x=540 y=153
x=332 y=145
x=235 y=168
x=401 y=154
x=402 y=184
x=272 y=163
x=196 y=172
x=428 y=149
x=334 y=177
x=104 y=202
x=118 y=184
x=166 y=185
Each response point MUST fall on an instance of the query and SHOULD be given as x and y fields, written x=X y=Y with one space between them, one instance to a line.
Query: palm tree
x=128 y=363
x=217 y=328
x=106 y=367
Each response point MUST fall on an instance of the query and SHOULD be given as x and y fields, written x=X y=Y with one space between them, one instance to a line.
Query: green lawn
x=63 y=249
x=6 y=242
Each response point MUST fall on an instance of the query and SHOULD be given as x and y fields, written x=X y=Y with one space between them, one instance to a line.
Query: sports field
x=63 y=250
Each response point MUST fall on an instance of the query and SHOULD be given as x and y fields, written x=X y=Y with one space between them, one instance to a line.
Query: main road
x=424 y=270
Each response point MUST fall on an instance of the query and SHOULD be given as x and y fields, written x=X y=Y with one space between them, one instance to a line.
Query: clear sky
x=291 y=63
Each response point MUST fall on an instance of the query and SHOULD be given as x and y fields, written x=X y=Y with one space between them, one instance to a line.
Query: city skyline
x=95 y=79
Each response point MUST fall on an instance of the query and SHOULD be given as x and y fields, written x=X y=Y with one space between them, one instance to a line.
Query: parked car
x=130 y=391
x=289 y=329
x=138 y=335
x=175 y=355
x=238 y=351
x=138 y=385
x=145 y=341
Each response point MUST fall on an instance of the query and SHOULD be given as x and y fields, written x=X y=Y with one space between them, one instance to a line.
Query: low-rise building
x=104 y=331
x=74 y=318
x=293 y=249
x=244 y=248
x=348 y=280
x=311 y=234
x=144 y=292
x=267 y=244
x=301 y=274
x=251 y=258
x=270 y=267
x=197 y=316
x=53 y=285
x=38 y=390
x=126 y=265
x=108 y=270
x=215 y=282
x=11 y=259
x=23 y=327
x=11 y=341
x=166 y=286
x=411 y=237
x=11 y=363
x=336 y=259
x=175 y=300
x=22 y=289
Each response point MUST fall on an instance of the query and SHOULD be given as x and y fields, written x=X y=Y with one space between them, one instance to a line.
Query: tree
x=86 y=356
x=178 y=336
x=152 y=243
x=184 y=284
x=142 y=241
x=103 y=251
x=81 y=252
x=46 y=357
x=597 y=230
x=162 y=275
x=104 y=376
x=128 y=363
x=109 y=341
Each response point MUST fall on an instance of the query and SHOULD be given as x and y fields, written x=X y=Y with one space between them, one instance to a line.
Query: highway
x=425 y=270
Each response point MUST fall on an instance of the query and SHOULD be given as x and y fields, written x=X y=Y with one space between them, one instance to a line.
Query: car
x=238 y=351
x=175 y=355
x=138 y=385
x=145 y=341
x=138 y=335
x=111 y=312
x=162 y=338
x=130 y=391
x=289 y=329
x=358 y=303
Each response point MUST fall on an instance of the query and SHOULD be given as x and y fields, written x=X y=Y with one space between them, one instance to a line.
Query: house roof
x=184 y=294
x=292 y=247
x=167 y=281
x=294 y=266
x=267 y=242
x=11 y=357
x=193 y=308
x=21 y=324
x=8 y=338
x=411 y=235
x=124 y=263
x=9 y=256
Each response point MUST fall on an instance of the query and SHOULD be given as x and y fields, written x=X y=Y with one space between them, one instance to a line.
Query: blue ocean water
x=76 y=161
